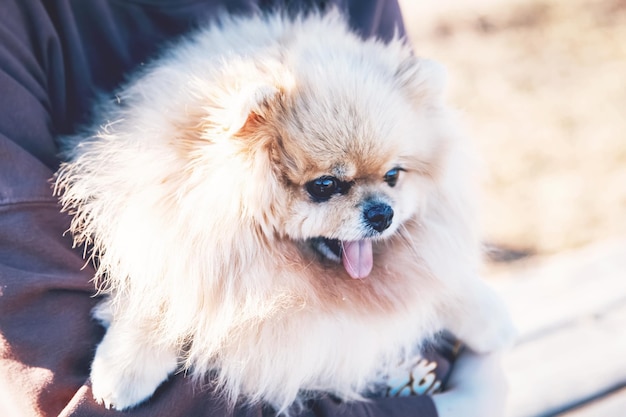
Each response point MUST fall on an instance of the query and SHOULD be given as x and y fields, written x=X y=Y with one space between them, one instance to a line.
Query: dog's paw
x=121 y=381
x=497 y=334
x=495 y=330
x=483 y=322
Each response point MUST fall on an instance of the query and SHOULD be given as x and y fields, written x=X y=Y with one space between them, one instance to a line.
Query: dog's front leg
x=127 y=367
x=481 y=319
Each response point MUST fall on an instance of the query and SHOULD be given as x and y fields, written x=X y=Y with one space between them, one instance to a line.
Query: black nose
x=378 y=216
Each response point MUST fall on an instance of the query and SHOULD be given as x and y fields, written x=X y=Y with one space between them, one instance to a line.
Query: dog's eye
x=322 y=188
x=391 y=177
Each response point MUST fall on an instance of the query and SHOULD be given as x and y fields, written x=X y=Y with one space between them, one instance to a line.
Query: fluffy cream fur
x=191 y=190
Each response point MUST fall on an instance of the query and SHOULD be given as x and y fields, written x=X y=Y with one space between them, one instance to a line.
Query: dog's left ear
x=252 y=103
x=423 y=78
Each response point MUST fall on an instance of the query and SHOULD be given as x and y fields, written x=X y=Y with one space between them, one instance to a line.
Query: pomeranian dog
x=279 y=207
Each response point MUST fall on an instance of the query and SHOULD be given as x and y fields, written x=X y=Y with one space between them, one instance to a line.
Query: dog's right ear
x=424 y=79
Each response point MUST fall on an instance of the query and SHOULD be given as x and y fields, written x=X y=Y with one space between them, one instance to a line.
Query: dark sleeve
x=46 y=337
x=381 y=407
x=55 y=55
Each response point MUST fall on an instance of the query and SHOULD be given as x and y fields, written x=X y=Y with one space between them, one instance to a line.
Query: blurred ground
x=542 y=87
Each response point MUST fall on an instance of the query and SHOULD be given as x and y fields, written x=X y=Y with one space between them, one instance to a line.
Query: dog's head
x=354 y=152
x=352 y=144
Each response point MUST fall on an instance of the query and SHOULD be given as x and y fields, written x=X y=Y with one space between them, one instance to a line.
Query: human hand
x=477 y=387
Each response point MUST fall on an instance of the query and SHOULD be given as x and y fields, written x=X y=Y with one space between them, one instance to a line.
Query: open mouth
x=329 y=248
x=356 y=256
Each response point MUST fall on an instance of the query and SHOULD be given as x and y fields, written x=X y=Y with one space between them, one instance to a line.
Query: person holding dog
x=56 y=56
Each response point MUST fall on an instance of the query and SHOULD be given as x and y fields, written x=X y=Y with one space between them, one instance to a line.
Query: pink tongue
x=357 y=258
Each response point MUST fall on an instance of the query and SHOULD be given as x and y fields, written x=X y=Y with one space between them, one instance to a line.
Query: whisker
x=343 y=250
x=404 y=234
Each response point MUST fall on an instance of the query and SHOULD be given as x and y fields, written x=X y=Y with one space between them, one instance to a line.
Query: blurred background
x=541 y=87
